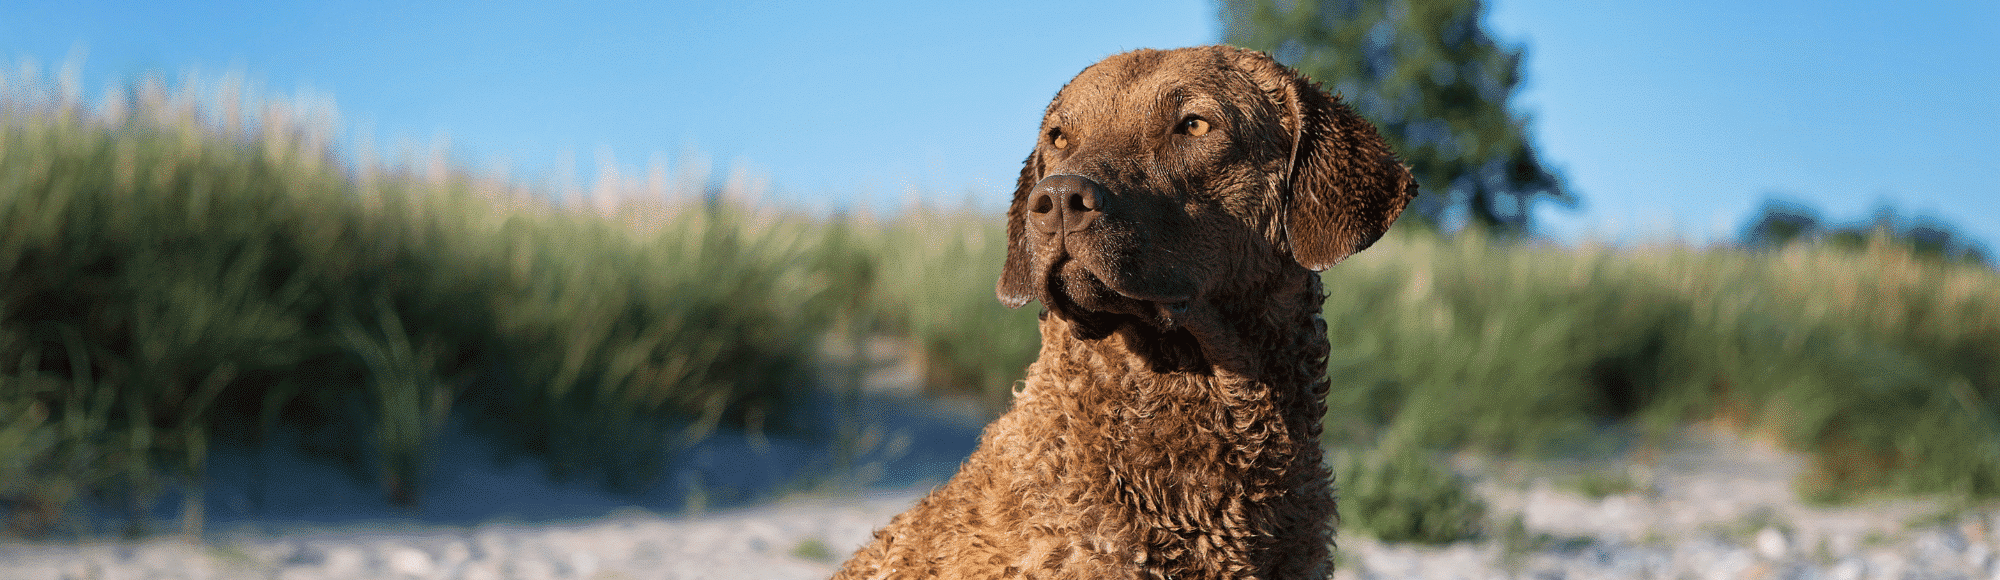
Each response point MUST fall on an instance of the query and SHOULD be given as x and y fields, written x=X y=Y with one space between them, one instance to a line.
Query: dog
x=1171 y=219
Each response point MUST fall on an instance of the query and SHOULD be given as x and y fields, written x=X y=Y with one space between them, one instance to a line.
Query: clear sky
x=1666 y=117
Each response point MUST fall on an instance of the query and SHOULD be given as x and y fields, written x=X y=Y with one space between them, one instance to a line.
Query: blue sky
x=1668 y=118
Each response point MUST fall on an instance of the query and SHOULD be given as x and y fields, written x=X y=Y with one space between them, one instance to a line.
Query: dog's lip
x=1160 y=299
x=1054 y=286
x=1074 y=298
x=1085 y=323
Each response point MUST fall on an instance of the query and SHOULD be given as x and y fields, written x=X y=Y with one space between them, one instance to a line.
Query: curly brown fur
x=1171 y=220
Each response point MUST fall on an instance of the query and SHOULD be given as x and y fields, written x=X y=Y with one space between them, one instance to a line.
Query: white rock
x=1847 y=569
x=1772 y=544
x=580 y=564
x=162 y=554
x=531 y=569
x=1886 y=566
x=481 y=570
x=74 y=571
x=493 y=543
x=1731 y=565
x=454 y=554
x=1978 y=556
x=408 y=561
x=344 y=561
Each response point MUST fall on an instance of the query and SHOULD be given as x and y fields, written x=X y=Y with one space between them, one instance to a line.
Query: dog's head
x=1162 y=180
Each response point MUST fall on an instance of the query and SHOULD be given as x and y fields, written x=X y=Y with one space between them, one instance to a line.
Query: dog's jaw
x=1075 y=292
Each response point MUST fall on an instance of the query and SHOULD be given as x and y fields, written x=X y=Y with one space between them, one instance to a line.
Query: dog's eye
x=1194 y=126
x=1058 y=139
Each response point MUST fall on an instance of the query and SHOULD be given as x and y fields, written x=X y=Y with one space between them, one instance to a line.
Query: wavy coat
x=1171 y=219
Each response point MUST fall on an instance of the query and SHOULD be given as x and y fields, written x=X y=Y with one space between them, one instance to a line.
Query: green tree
x=1783 y=221
x=1435 y=83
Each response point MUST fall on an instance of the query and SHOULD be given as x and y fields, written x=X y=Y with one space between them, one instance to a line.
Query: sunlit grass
x=175 y=276
x=934 y=272
x=1881 y=364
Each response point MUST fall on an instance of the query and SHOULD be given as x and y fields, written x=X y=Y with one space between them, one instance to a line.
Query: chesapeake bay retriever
x=1170 y=220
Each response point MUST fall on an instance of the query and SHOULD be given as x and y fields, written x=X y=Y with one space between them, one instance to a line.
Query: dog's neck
x=1261 y=371
x=1234 y=443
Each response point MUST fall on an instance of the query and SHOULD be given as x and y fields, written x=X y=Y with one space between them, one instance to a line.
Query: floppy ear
x=1017 y=281
x=1344 y=186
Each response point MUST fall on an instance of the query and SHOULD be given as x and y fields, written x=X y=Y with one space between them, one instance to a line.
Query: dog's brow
x=1180 y=99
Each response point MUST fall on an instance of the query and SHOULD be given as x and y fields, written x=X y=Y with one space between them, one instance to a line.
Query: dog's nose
x=1065 y=203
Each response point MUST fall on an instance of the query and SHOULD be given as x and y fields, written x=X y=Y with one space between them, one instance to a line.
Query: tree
x=1782 y=222
x=1435 y=83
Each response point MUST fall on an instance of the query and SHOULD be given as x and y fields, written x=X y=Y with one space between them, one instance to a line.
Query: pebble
x=1772 y=544
x=1847 y=569
x=344 y=561
x=407 y=561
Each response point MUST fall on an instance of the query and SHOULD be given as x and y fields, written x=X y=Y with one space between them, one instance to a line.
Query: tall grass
x=933 y=272
x=177 y=271
x=1884 y=366
x=179 y=268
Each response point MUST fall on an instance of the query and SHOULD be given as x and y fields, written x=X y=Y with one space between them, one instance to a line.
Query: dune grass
x=933 y=273
x=1884 y=366
x=174 y=275
x=183 y=267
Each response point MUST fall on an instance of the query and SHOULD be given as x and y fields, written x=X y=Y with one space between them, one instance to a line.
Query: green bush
x=1402 y=494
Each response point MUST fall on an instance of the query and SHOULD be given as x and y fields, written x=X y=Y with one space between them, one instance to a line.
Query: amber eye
x=1058 y=139
x=1194 y=126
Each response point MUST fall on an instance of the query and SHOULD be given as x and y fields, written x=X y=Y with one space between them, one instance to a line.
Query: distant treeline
x=1783 y=222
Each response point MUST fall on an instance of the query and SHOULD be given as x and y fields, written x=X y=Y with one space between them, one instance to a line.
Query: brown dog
x=1170 y=220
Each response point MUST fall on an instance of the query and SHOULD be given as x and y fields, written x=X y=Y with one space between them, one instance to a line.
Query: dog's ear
x=1017 y=280
x=1344 y=187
